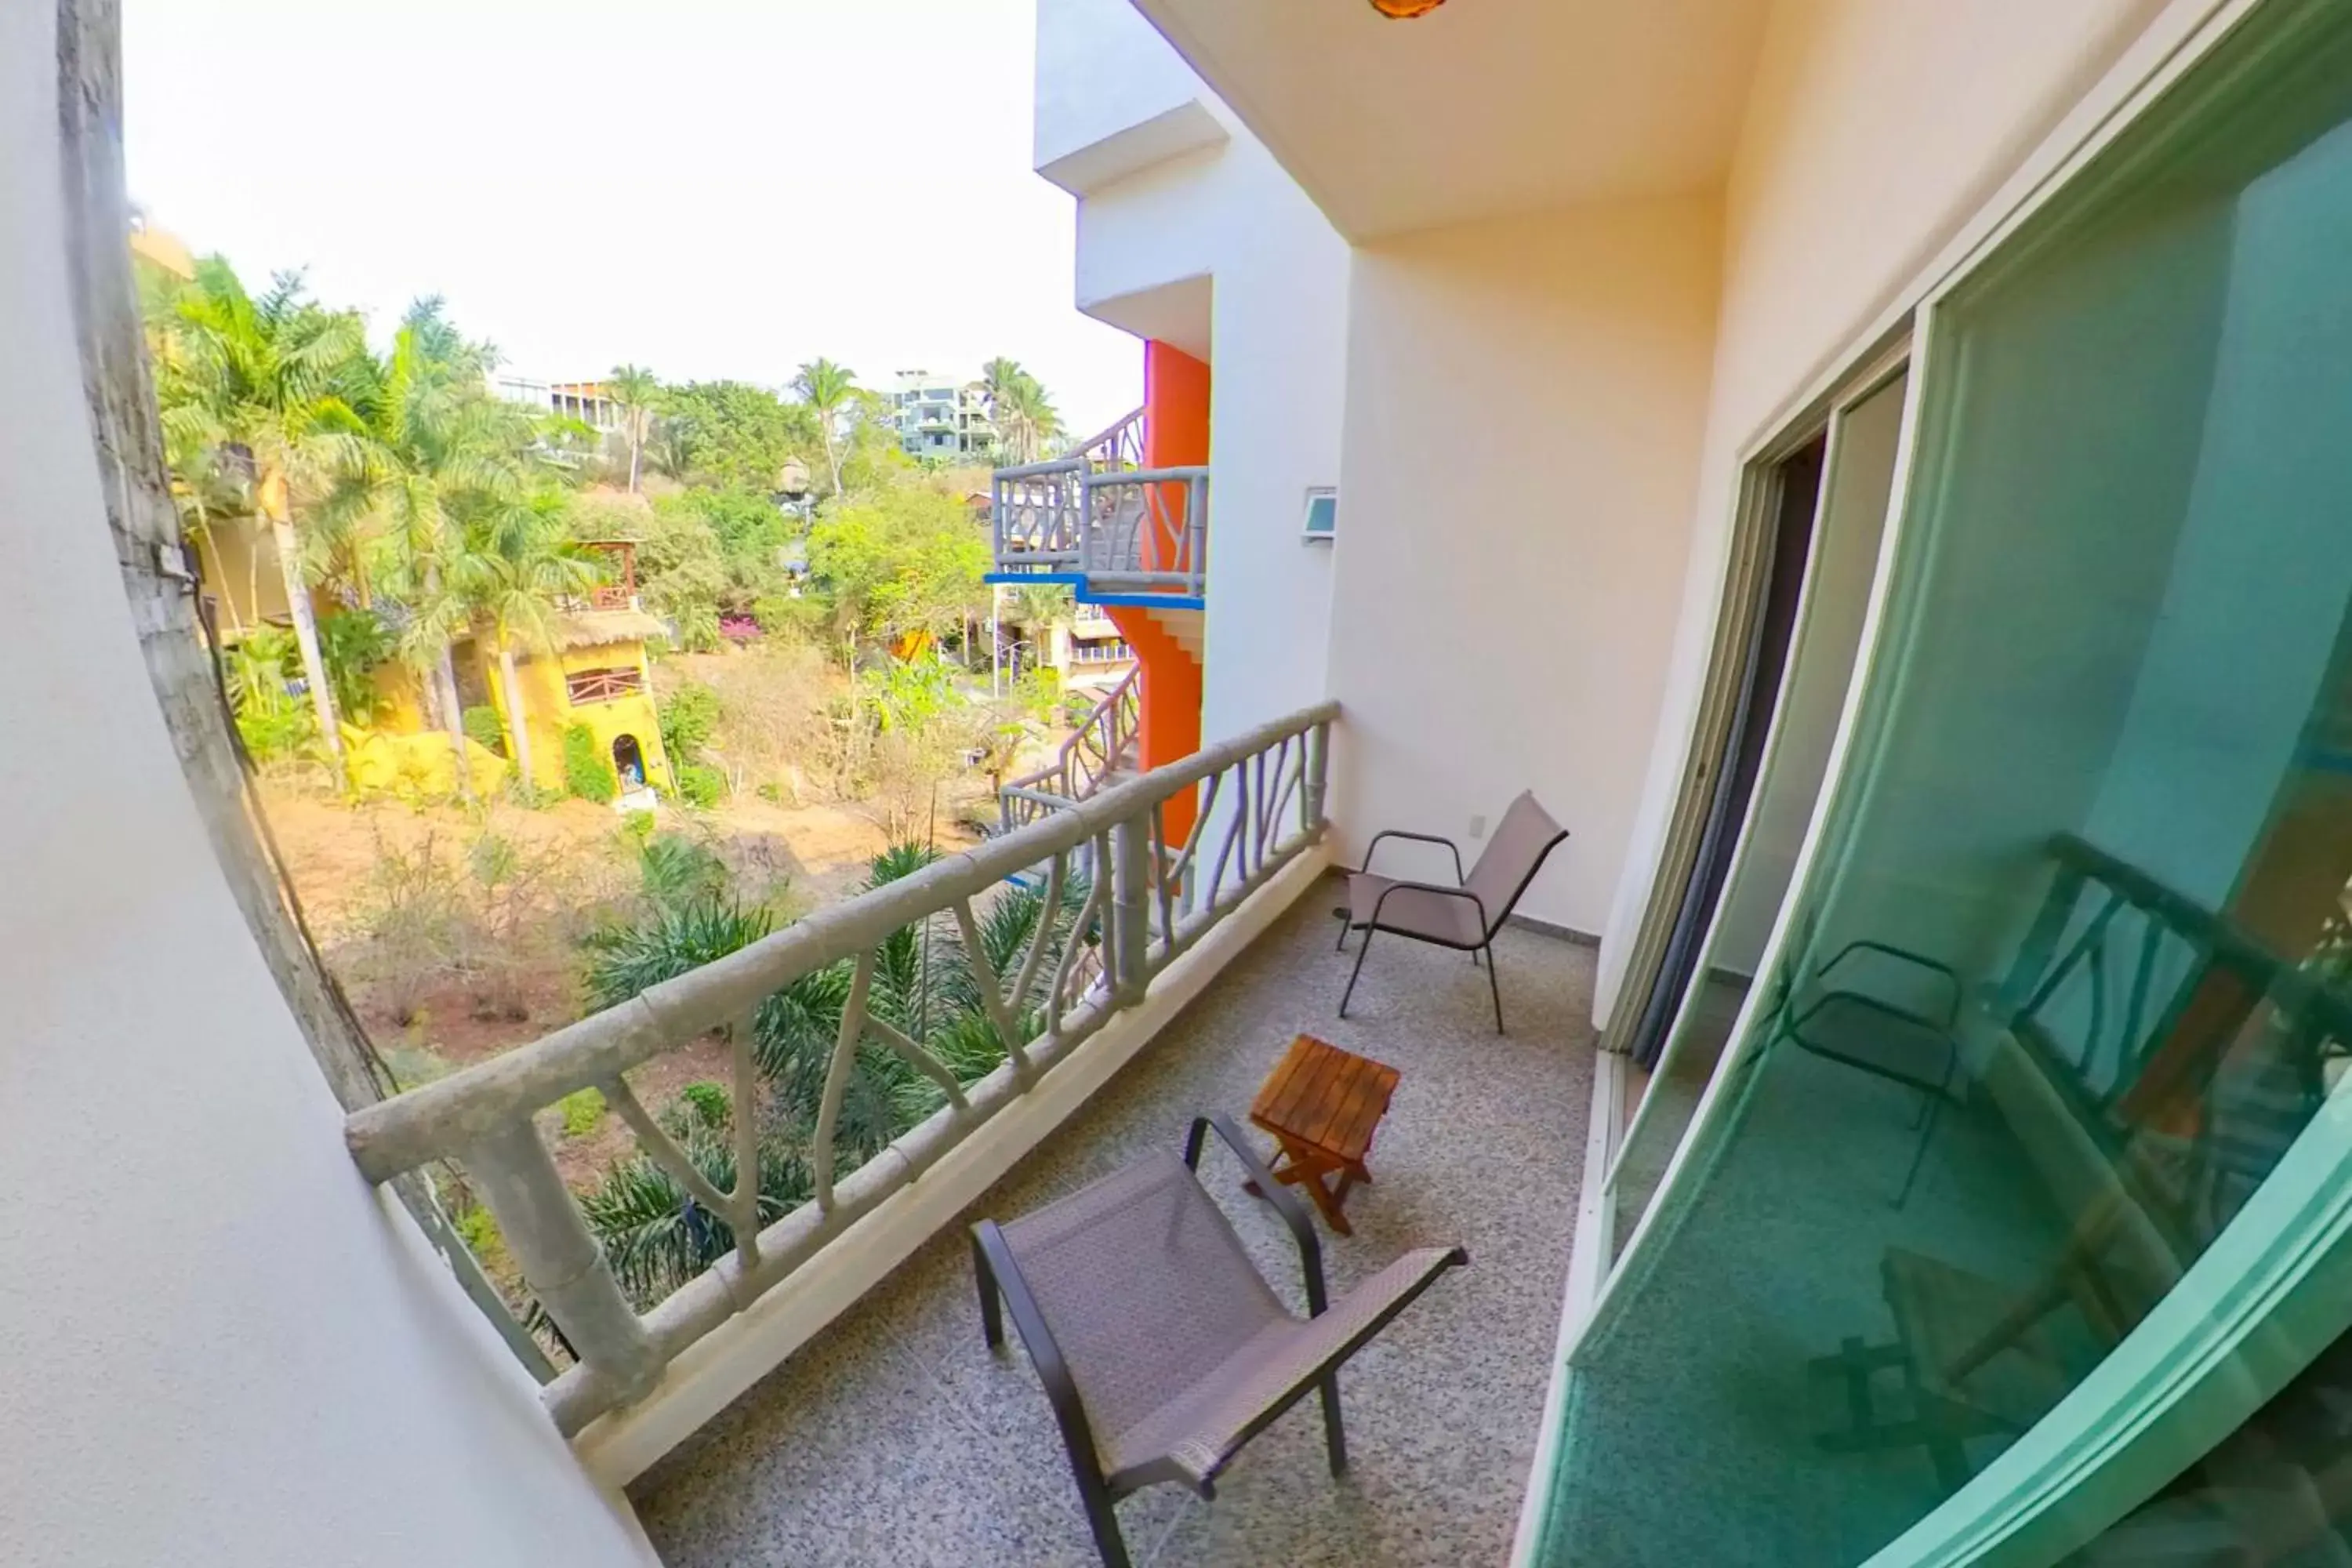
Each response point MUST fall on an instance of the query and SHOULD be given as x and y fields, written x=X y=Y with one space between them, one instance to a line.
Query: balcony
x=764 y=1408
x=1101 y=522
x=896 y=1437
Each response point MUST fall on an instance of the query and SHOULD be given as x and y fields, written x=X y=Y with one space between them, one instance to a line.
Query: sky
x=710 y=188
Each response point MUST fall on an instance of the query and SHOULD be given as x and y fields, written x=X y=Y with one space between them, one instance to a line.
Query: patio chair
x=1161 y=1349
x=1464 y=917
x=1918 y=1049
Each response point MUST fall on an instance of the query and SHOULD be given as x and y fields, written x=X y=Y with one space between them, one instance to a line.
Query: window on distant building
x=604 y=685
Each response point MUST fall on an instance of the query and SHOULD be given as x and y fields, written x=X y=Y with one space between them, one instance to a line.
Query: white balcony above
x=1113 y=98
x=1482 y=108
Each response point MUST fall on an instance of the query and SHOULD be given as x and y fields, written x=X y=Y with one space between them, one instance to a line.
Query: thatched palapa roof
x=592 y=627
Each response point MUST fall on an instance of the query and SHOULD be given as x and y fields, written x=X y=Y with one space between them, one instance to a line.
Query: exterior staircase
x=1102 y=751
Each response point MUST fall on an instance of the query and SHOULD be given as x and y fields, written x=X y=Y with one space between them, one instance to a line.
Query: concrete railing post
x=513 y=1173
x=1317 y=772
x=1130 y=910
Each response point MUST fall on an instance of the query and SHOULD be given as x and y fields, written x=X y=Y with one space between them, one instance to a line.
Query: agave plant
x=923 y=984
x=654 y=1232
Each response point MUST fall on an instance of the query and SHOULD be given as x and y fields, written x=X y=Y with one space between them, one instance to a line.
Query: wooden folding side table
x=1321 y=1104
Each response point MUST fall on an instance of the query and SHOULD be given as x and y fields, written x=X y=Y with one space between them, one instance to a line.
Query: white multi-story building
x=939 y=416
x=1901 y=539
x=583 y=400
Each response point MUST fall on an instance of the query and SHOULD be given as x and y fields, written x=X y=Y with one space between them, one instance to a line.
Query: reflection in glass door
x=1860 y=451
x=2057 y=1014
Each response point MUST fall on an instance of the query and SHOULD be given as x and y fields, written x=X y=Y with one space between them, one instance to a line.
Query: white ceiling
x=1484 y=107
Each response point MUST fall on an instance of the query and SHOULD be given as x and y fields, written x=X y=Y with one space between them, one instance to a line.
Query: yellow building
x=596 y=674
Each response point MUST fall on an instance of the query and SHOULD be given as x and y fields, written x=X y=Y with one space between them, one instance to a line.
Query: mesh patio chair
x=1916 y=1047
x=1162 y=1348
x=1464 y=917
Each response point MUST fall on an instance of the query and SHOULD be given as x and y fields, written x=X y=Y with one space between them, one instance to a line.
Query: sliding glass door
x=2018 y=1199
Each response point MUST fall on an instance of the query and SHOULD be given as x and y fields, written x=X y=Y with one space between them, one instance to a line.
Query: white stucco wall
x=1875 y=129
x=1278 y=274
x=1101 y=69
x=1525 y=401
x=217 y=1344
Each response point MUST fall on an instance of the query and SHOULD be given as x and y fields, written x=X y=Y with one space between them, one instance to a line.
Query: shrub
x=676 y=871
x=701 y=785
x=351 y=643
x=483 y=728
x=698 y=627
x=582 y=1110
x=273 y=714
x=687 y=716
x=275 y=734
x=705 y=1105
x=479 y=1230
x=677 y=938
x=587 y=772
x=638 y=825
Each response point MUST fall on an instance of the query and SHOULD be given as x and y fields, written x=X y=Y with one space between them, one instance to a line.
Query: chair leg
x=1341 y=945
x=1333 y=1437
x=1495 y=985
x=1926 y=1131
x=992 y=1310
x=1361 y=949
x=1102 y=1518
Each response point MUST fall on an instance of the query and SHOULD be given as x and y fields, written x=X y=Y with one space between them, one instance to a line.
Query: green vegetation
x=923 y=984
x=581 y=1110
x=710 y=1104
x=701 y=785
x=688 y=714
x=483 y=727
x=587 y=772
x=1021 y=410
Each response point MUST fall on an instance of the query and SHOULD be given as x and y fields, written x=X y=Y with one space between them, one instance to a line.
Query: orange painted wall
x=1175 y=431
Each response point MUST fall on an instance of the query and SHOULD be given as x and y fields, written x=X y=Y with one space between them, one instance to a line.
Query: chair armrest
x=1418 y=838
x=1918 y=960
x=1045 y=1354
x=1444 y=893
x=1293 y=1213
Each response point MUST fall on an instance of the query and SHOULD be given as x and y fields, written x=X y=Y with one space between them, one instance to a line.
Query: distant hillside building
x=939 y=416
x=583 y=400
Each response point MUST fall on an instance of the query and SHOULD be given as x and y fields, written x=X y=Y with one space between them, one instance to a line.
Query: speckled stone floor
x=894 y=1437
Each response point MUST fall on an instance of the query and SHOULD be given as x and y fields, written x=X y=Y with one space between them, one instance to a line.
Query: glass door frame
x=1761 y=487
x=2275 y=1287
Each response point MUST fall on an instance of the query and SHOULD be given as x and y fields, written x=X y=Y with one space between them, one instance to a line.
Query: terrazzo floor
x=894 y=1437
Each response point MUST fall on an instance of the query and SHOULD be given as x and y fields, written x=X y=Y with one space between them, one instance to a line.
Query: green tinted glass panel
x=2066 y=980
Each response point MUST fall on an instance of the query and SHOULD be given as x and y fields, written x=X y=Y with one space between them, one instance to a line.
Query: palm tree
x=633 y=389
x=827 y=387
x=257 y=388
x=516 y=560
x=435 y=446
x=1019 y=408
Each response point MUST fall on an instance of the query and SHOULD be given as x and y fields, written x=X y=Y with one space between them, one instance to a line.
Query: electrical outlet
x=1478 y=828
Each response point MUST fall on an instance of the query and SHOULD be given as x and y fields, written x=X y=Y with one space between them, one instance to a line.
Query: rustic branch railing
x=608 y=684
x=1260 y=796
x=1088 y=754
x=1100 y=514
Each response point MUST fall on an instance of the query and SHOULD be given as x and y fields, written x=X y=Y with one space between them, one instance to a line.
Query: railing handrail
x=1153 y=901
x=435 y=1121
x=1179 y=474
x=1070 y=465
x=1112 y=717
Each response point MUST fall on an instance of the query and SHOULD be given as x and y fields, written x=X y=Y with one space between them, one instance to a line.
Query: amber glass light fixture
x=1405 y=10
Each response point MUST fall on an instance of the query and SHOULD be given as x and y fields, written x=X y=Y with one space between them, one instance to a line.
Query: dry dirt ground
x=513 y=973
